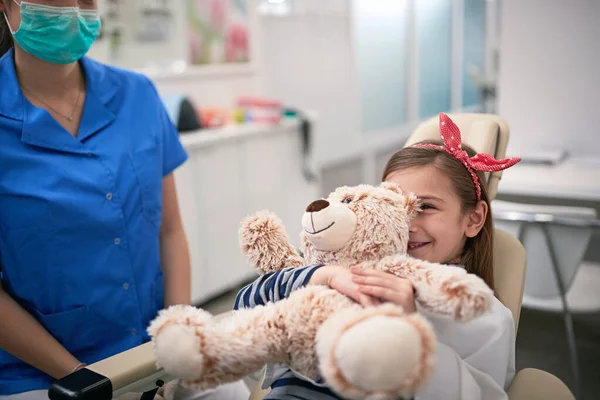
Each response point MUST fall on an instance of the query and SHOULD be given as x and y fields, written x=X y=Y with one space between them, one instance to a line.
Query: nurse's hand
x=340 y=279
x=385 y=287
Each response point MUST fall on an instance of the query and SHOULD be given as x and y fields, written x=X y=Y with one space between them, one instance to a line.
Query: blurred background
x=280 y=101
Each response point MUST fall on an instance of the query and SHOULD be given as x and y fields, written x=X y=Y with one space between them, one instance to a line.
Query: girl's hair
x=6 y=40
x=477 y=255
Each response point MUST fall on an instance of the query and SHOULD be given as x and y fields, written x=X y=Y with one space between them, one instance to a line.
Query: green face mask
x=59 y=35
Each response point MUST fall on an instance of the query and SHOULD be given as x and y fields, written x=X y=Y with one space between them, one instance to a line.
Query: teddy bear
x=360 y=352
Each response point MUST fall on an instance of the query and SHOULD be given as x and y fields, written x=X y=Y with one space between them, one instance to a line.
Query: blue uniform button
x=117 y=241
x=133 y=332
x=126 y=286
x=109 y=196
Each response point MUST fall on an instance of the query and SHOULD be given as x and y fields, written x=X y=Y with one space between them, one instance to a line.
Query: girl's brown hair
x=477 y=256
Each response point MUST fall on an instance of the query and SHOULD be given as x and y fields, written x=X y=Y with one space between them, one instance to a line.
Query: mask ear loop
x=8 y=24
x=6 y=18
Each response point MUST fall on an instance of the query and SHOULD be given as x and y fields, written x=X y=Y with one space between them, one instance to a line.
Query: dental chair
x=135 y=370
x=488 y=133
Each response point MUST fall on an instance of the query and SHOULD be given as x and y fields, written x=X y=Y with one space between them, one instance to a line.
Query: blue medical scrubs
x=80 y=217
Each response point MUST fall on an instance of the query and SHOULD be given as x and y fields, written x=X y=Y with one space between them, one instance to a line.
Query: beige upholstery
x=258 y=393
x=134 y=369
x=509 y=272
x=131 y=371
x=534 y=384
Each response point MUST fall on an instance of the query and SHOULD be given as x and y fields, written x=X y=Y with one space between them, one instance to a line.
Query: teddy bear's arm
x=440 y=288
x=265 y=243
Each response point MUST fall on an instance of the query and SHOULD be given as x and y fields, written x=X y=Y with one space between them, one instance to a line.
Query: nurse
x=91 y=240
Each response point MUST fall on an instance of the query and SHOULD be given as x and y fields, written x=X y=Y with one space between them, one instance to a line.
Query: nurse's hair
x=477 y=256
x=6 y=40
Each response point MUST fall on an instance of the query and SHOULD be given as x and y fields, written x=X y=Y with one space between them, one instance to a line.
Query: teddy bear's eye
x=347 y=200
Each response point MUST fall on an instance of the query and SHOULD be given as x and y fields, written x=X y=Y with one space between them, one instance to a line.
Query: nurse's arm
x=25 y=338
x=174 y=251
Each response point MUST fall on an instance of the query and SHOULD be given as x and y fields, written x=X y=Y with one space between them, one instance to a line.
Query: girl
x=475 y=360
x=91 y=239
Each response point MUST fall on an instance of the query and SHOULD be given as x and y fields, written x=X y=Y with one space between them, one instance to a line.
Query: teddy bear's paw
x=176 y=335
x=375 y=353
x=178 y=350
x=264 y=241
x=467 y=297
x=181 y=315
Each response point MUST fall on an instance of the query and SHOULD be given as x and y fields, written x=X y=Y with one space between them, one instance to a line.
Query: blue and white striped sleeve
x=273 y=286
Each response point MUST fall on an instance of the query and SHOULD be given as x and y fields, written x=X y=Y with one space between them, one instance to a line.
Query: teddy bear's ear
x=412 y=204
x=394 y=187
x=410 y=201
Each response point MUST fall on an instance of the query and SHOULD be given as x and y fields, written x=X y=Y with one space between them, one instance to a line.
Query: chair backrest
x=569 y=231
x=510 y=261
x=488 y=133
x=485 y=133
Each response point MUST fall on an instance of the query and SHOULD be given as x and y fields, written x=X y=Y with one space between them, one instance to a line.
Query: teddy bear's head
x=357 y=223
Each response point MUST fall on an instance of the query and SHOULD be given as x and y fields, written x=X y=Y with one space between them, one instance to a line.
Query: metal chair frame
x=544 y=220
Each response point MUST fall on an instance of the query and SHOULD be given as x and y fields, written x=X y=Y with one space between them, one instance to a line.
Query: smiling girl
x=474 y=360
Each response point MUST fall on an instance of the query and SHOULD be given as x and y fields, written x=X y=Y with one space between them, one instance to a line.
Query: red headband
x=480 y=162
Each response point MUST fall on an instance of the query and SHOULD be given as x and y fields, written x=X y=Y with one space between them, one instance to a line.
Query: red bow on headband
x=481 y=162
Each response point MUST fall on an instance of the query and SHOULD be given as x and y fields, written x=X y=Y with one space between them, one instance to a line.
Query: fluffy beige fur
x=362 y=353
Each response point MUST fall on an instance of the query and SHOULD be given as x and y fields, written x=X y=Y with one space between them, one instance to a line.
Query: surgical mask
x=59 y=35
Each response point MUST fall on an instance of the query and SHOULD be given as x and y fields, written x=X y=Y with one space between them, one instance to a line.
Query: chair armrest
x=535 y=384
x=133 y=370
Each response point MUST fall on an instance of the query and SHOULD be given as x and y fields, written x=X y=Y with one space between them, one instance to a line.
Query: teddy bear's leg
x=442 y=289
x=265 y=243
x=377 y=352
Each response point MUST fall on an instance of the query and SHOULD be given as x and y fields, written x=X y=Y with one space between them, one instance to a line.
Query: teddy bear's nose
x=317 y=205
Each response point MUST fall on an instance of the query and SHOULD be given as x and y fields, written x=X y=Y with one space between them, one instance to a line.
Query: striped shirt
x=272 y=287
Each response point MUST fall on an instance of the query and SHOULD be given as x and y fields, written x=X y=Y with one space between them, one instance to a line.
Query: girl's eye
x=427 y=207
x=347 y=200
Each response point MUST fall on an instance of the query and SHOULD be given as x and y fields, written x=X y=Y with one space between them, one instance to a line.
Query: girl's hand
x=385 y=287
x=340 y=279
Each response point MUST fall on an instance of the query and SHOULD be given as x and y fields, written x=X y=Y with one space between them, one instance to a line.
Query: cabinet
x=230 y=173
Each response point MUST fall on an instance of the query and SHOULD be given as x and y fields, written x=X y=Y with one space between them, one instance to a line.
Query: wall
x=369 y=87
x=307 y=62
x=166 y=62
x=211 y=88
x=368 y=70
x=549 y=78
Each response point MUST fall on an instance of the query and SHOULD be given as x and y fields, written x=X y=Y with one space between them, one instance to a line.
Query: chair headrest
x=485 y=133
